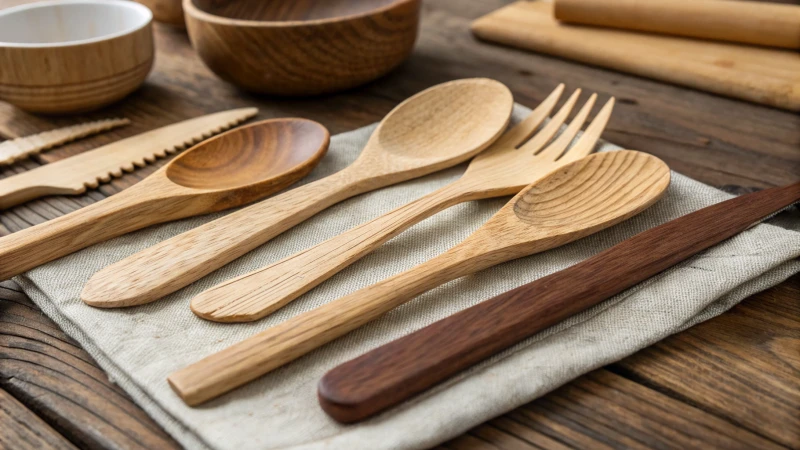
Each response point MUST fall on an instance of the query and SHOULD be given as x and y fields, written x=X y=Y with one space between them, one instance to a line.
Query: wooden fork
x=504 y=169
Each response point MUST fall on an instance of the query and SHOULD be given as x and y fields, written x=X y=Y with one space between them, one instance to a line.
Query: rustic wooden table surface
x=731 y=382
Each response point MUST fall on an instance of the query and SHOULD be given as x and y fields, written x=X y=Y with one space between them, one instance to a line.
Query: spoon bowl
x=438 y=118
x=255 y=155
x=578 y=196
x=234 y=168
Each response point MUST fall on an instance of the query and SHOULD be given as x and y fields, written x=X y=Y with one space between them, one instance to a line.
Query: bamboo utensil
x=756 y=23
x=285 y=47
x=505 y=168
x=574 y=201
x=16 y=149
x=392 y=373
x=75 y=174
x=761 y=75
x=232 y=169
x=69 y=56
x=435 y=129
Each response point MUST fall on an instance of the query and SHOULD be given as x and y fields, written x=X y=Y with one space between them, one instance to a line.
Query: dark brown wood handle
x=402 y=368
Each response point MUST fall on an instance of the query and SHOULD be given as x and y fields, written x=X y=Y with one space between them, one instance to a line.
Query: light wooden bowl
x=169 y=12
x=73 y=55
x=292 y=48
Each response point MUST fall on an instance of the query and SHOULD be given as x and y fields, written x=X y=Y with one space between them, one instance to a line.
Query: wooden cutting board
x=761 y=75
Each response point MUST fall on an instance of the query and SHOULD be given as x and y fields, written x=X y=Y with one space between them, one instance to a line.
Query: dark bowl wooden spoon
x=286 y=47
x=232 y=169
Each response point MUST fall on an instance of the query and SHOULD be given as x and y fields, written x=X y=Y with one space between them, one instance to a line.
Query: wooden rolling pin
x=756 y=23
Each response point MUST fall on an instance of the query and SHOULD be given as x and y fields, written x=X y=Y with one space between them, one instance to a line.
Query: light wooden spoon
x=571 y=202
x=234 y=168
x=435 y=129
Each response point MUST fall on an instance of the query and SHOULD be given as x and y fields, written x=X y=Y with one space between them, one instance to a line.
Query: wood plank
x=743 y=366
x=606 y=410
x=21 y=429
x=48 y=372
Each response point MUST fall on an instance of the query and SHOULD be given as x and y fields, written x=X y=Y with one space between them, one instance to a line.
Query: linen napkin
x=140 y=346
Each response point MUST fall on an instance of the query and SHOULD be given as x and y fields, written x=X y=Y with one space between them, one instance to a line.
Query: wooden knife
x=16 y=149
x=402 y=368
x=75 y=174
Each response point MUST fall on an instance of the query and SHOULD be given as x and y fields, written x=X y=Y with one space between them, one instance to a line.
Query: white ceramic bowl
x=73 y=55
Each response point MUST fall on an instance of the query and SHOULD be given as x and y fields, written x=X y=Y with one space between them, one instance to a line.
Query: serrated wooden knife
x=86 y=171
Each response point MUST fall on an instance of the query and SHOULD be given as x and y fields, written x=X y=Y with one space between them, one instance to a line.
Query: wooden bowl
x=73 y=55
x=294 y=48
x=169 y=12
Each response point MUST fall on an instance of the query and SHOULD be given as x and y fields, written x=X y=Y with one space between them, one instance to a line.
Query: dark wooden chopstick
x=402 y=368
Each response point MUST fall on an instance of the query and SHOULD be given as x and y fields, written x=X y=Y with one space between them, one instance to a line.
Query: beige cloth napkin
x=140 y=346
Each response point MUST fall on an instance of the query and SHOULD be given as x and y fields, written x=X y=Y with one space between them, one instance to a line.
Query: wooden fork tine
x=554 y=150
x=588 y=139
x=525 y=129
x=543 y=137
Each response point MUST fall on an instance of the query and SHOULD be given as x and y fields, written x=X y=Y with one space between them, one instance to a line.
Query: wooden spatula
x=402 y=368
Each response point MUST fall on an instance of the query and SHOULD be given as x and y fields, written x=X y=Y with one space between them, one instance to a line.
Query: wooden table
x=731 y=382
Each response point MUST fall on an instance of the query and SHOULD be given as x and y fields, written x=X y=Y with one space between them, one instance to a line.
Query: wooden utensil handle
x=20 y=188
x=402 y=368
x=276 y=346
x=128 y=210
x=174 y=263
x=259 y=293
x=735 y=21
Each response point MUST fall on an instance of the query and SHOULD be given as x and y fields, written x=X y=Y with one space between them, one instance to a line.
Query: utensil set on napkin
x=562 y=194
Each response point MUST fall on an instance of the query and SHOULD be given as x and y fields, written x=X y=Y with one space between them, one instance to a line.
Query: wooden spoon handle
x=261 y=292
x=172 y=264
x=131 y=209
x=276 y=346
x=402 y=368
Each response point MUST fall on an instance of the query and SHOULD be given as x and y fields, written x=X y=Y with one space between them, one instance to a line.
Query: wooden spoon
x=435 y=129
x=234 y=168
x=574 y=201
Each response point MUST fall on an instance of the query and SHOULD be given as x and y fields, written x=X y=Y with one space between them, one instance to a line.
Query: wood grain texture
x=451 y=123
x=394 y=372
x=574 y=201
x=755 y=23
x=48 y=372
x=767 y=76
x=232 y=169
x=27 y=146
x=89 y=169
x=603 y=410
x=22 y=429
x=743 y=364
x=76 y=78
x=720 y=141
x=302 y=48
x=503 y=169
